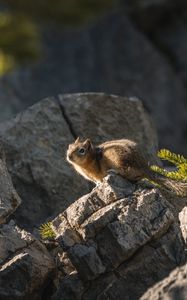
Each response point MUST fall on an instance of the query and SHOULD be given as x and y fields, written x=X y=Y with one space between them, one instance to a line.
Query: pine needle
x=174 y=158
x=179 y=161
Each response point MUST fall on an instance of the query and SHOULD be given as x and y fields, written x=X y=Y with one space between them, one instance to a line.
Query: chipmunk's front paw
x=97 y=184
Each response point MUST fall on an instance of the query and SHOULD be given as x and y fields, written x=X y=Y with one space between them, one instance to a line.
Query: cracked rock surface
x=35 y=144
x=9 y=199
x=130 y=236
x=25 y=264
x=26 y=267
x=172 y=287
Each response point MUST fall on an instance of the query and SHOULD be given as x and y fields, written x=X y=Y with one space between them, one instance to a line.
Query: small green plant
x=180 y=174
x=46 y=231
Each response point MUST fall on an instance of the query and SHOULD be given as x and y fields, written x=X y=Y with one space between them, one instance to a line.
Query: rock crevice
x=66 y=118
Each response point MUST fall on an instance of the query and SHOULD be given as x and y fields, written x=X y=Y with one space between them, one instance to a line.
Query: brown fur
x=121 y=156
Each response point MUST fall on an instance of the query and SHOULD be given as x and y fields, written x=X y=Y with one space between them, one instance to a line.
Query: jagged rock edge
x=66 y=118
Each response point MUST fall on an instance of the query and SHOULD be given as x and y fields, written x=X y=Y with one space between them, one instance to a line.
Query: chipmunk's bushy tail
x=178 y=187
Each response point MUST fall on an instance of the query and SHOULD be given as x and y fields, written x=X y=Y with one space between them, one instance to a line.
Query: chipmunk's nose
x=70 y=156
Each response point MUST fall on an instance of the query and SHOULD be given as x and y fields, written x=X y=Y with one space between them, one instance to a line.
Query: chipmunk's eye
x=82 y=151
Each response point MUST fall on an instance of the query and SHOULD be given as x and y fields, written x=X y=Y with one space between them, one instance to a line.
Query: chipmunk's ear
x=88 y=143
x=77 y=140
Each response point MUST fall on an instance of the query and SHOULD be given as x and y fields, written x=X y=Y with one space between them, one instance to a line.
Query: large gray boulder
x=105 y=117
x=35 y=145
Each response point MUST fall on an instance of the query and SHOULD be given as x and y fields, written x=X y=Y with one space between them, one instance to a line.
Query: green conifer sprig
x=46 y=231
x=174 y=158
x=179 y=161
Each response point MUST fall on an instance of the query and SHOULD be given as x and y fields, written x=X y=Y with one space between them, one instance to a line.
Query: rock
x=25 y=266
x=11 y=241
x=61 y=227
x=13 y=99
x=150 y=220
x=62 y=261
x=130 y=280
x=149 y=265
x=9 y=199
x=84 y=207
x=177 y=205
x=35 y=144
x=71 y=289
x=172 y=287
x=123 y=240
x=111 y=56
x=109 y=116
x=183 y=223
x=87 y=257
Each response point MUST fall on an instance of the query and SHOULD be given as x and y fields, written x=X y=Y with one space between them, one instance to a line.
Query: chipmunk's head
x=80 y=152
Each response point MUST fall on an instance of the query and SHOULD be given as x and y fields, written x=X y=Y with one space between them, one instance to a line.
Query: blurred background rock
x=128 y=47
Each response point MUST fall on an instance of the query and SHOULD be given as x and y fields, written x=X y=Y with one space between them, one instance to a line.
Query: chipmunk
x=123 y=157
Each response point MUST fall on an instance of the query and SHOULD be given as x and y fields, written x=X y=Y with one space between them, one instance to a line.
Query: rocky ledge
x=119 y=240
